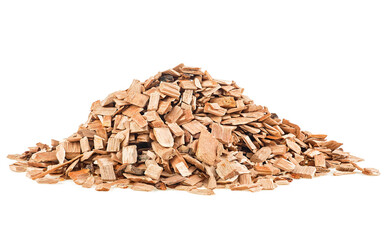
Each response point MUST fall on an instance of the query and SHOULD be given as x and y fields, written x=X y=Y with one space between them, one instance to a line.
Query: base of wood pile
x=183 y=129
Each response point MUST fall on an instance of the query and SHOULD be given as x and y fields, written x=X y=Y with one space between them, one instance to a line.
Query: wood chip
x=170 y=89
x=207 y=148
x=305 y=171
x=293 y=146
x=194 y=127
x=214 y=109
x=175 y=129
x=106 y=169
x=320 y=160
x=85 y=146
x=164 y=137
x=284 y=165
x=222 y=133
x=153 y=171
x=138 y=99
x=153 y=103
x=261 y=155
x=226 y=170
x=44 y=157
x=129 y=155
x=266 y=184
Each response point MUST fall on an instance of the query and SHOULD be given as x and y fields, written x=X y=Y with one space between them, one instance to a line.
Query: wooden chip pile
x=182 y=129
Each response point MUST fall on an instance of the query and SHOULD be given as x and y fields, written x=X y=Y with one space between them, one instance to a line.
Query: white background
x=320 y=64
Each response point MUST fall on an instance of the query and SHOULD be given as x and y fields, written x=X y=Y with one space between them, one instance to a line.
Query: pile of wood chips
x=182 y=129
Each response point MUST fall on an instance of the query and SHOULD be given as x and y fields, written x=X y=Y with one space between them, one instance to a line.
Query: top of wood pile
x=183 y=129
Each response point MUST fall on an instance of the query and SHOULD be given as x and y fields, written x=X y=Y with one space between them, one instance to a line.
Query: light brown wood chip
x=284 y=164
x=214 y=109
x=226 y=170
x=164 y=137
x=129 y=154
x=207 y=148
x=153 y=171
x=266 y=184
x=170 y=89
x=106 y=169
x=194 y=127
x=305 y=171
x=175 y=129
x=153 y=103
x=293 y=146
x=261 y=155
x=138 y=99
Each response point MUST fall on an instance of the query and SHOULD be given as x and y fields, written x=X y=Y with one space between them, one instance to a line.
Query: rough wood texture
x=129 y=154
x=207 y=148
x=185 y=130
x=164 y=137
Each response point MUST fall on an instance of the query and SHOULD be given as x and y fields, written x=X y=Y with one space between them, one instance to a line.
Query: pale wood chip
x=320 y=160
x=175 y=129
x=89 y=182
x=106 y=169
x=44 y=157
x=284 y=165
x=238 y=121
x=225 y=102
x=263 y=170
x=153 y=103
x=163 y=152
x=266 y=184
x=261 y=155
x=340 y=173
x=187 y=96
x=222 y=133
x=293 y=146
x=47 y=180
x=103 y=187
x=153 y=171
x=304 y=171
x=142 y=187
x=98 y=142
x=17 y=168
x=226 y=170
x=138 y=99
x=194 y=162
x=371 y=171
x=129 y=112
x=215 y=109
x=105 y=111
x=174 y=114
x=129 y=154
x=85 y=146
x=207 y=148
x=194 y=127
x=114 y=144
x=170 y=89
x=202 y=191
x=164 y=137
x=278 y=149
x=142 y=179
